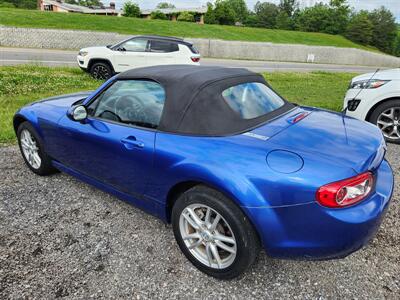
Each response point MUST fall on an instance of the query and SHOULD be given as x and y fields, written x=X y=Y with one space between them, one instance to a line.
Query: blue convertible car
x=216 y=152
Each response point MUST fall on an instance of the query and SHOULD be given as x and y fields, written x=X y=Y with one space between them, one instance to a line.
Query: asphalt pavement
x=49 y=57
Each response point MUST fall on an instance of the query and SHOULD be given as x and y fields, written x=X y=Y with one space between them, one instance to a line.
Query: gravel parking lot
x=62 y=238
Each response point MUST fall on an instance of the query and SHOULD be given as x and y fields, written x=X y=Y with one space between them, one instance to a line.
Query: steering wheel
x=130 y=108
x=109 y=115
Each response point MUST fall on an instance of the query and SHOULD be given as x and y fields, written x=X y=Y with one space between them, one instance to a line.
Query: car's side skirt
x=146 y=204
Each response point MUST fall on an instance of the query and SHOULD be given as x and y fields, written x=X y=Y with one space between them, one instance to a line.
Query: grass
x=319 y=89
x=39 y=19
x=21 y=85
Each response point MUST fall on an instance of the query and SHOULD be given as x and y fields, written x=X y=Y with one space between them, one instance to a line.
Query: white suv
x=136 y=52
x=375 y=97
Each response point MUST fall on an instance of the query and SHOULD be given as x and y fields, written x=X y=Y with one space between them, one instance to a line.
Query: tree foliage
x=239 y=8
x=163 y=5
x=341 y=10
x=131 y=9
x=209 y=16
x=220 y=13
x=396 y=48
x=185 y=16
x=283 y=21
x=27 y=4
x=360 y=28
x=266 y=14
x=384 y=31
x=158 y=15
x=288 y=6
x=332 y=18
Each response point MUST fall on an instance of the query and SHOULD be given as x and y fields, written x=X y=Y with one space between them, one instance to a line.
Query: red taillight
x=195 y=59
x=346 y=192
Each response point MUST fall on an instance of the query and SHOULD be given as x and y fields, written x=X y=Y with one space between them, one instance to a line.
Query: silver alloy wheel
x=208 y=236
x=100 y=72
x=389 y=122
x=30 y=149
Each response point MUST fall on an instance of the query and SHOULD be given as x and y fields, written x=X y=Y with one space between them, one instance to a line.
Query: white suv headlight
x=368 y=84
x=82 y=53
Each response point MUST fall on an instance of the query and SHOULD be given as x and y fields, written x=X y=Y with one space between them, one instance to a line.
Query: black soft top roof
x=194 y=103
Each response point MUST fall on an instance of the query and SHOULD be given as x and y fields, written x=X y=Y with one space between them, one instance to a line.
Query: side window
x=135 y=102
x=135 y=45
x=163 y=46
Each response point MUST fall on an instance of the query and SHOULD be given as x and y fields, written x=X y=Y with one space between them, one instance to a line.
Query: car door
x=131 y=54
x=162 y=52
x=115 y=144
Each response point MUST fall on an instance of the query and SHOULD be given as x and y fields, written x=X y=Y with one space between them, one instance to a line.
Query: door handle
x=130 y=142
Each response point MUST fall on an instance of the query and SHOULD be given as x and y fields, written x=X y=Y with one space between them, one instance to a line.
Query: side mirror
x=78 y=113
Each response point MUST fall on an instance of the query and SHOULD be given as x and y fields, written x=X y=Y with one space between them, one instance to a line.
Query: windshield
x=251 y=100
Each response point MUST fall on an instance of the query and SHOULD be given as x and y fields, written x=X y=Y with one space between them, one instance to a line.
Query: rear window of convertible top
x=252 y=99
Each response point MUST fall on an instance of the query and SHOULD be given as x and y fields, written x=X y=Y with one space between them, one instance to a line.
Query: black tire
x=247 y=241
x=101 y=71
x=46 y=167
x=395 y=103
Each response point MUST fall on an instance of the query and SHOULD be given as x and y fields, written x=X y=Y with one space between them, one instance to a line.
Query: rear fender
x=378 y=102
x=232 y=184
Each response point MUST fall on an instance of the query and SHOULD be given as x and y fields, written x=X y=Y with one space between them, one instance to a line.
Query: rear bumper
x=310 y=231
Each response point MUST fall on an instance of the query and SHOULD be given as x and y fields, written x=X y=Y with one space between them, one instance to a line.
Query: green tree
x=209 y=16
x=288 y=6
x=27 y=4
x=6 y=4
x=396 y=48
x=332 y=18
x=341 y=10
x=384 y=30
x=251 y=20
x=239 y=8
x=224 y=14
x=318 y=18
x=185 y=16
x=360 y=28
x=266 y=14
x=162 y=5
x=131 y=9
x=220 y=13
x=283 y=21
x=158 y=15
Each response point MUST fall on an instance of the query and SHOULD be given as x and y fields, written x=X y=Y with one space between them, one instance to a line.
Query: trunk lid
x=343 y=140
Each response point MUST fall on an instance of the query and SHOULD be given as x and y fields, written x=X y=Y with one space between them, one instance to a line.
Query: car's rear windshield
x=252 y=99
x=193 y=49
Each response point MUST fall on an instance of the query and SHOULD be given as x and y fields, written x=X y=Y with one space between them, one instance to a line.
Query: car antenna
x=358 y=94
x=355 y=97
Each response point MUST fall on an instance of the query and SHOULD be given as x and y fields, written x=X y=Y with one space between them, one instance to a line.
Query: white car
x=139 y=51
x=375 y=97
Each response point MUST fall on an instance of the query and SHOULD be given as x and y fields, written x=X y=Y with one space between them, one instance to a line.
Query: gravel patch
x=62 y=238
